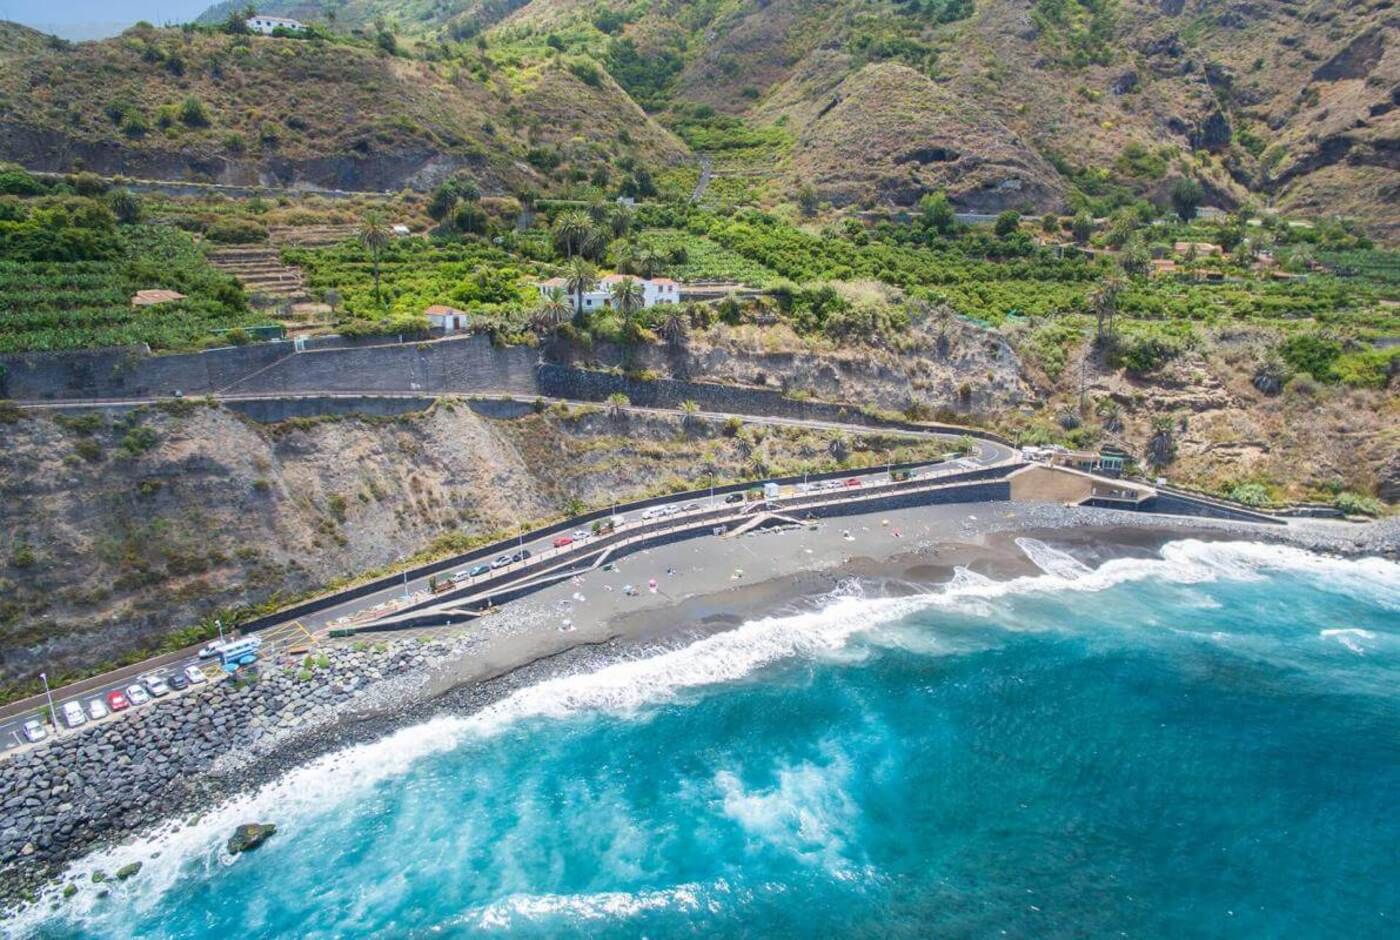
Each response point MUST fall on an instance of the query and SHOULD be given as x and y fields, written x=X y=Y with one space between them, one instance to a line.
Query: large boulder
x=249 y=836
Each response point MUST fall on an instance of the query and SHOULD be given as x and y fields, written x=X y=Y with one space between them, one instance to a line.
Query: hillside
x=1037 y=105
x=245 y=109
x=118 y=532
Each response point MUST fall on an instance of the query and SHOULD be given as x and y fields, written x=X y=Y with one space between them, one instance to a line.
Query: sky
x=93 y=19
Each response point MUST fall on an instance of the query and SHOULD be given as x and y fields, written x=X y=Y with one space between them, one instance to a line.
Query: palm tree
x=572 y=231
x=552 y=312
x=689 y=409
x=675 y=329
x=1103 y=300
x=599 y=210
x=627 y=297
x=582 y=277
x=622 y=219
x=649 y=263
x=374 y=235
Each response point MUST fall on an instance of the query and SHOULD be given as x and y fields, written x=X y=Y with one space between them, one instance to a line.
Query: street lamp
x=53 y=715
x=219 y=624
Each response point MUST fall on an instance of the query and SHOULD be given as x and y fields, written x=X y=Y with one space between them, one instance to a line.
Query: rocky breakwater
x=100 y=783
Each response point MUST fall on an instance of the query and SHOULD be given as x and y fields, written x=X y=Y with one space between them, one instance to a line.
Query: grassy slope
x=273 y=101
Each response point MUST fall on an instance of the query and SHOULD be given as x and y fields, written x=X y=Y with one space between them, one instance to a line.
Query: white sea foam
x=1052 y=561
x=1353 y=638
x=325 y=784
x=808 y=814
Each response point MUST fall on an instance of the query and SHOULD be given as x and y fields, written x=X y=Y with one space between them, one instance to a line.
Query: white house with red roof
x=655 y=290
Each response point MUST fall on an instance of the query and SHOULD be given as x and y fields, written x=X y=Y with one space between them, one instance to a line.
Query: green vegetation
x=68 y=272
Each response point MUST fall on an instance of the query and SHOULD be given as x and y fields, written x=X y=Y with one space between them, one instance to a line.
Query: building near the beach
x=655 y=290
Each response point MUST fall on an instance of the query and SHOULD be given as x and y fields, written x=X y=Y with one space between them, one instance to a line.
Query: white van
x=73 y=714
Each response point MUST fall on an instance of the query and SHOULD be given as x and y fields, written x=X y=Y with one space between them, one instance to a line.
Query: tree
x=1136 y=257
x=471 y=219
x=1050 y=223
x=582 y=277
x=572 y=231
x=1082 y=227
x=1103 y=301
x=374 y=236
x=807 y=201
x=648 y=263
x=1187 y=197
x=617 y=402
x=622 y=220
x=690 y=408
x=552 y=313
x=627 y=297
x=443 y=201
x=1007 y=223
x=125 y=206
x=675 y=330
x=937 y=212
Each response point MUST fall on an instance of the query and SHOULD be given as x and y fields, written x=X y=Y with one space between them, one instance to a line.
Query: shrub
x=1312 y=353
x=22 y=556
x=138 y=440
x=236 y=232
x=193 y=113
x=16 y=182
x=1354 y=504
x=1251 y=494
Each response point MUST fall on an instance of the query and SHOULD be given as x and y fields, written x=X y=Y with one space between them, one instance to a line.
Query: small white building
x=266 y=24
x=447 y=319
x=656 y=290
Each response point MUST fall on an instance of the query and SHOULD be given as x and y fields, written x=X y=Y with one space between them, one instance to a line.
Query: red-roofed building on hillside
x=447 y=319
x=655 y=290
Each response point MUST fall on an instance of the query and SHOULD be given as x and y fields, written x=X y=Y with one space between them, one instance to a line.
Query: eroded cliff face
x=117 y=530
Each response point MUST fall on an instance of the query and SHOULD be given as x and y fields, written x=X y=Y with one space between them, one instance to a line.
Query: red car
x=562 y=541
x=116 y=701
x=853 y=482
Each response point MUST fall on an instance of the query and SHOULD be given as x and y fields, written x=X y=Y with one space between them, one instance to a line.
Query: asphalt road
x=294 y=634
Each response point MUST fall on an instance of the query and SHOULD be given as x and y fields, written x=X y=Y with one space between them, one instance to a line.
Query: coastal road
x=302 y=632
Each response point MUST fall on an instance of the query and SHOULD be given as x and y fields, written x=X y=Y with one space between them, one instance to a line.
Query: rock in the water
x=249 y=836
x=126 y=871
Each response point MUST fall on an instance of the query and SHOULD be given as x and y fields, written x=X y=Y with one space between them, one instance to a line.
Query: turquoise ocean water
x=1201 y=744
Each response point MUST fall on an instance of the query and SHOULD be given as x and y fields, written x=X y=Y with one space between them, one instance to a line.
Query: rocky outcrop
x=1360 y=56
x=893 y=135
x=249 y=836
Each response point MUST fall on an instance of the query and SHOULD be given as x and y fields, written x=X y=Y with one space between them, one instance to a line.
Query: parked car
x=581 y=534
x=691 y=507
x=734 y=498
x=652 y=513
x=521 y=555
x=500 y=561
x=34 y=731
x=209 y=651
x=563 y=541
x=117 y=701
x=479 y=570
x=137 y=695
x=853 y=482
x=156 y=686
x=178 y=682
x=460 y=576
x=96 y=710
x=194 y=674
x=73 y=714
x=670 y=510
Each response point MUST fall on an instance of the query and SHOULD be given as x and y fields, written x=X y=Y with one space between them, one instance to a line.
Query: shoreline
x=703 y=587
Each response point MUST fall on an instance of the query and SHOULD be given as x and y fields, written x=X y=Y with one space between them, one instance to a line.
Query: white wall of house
x=447 y=322
x=653 y=293
x=266 y=24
